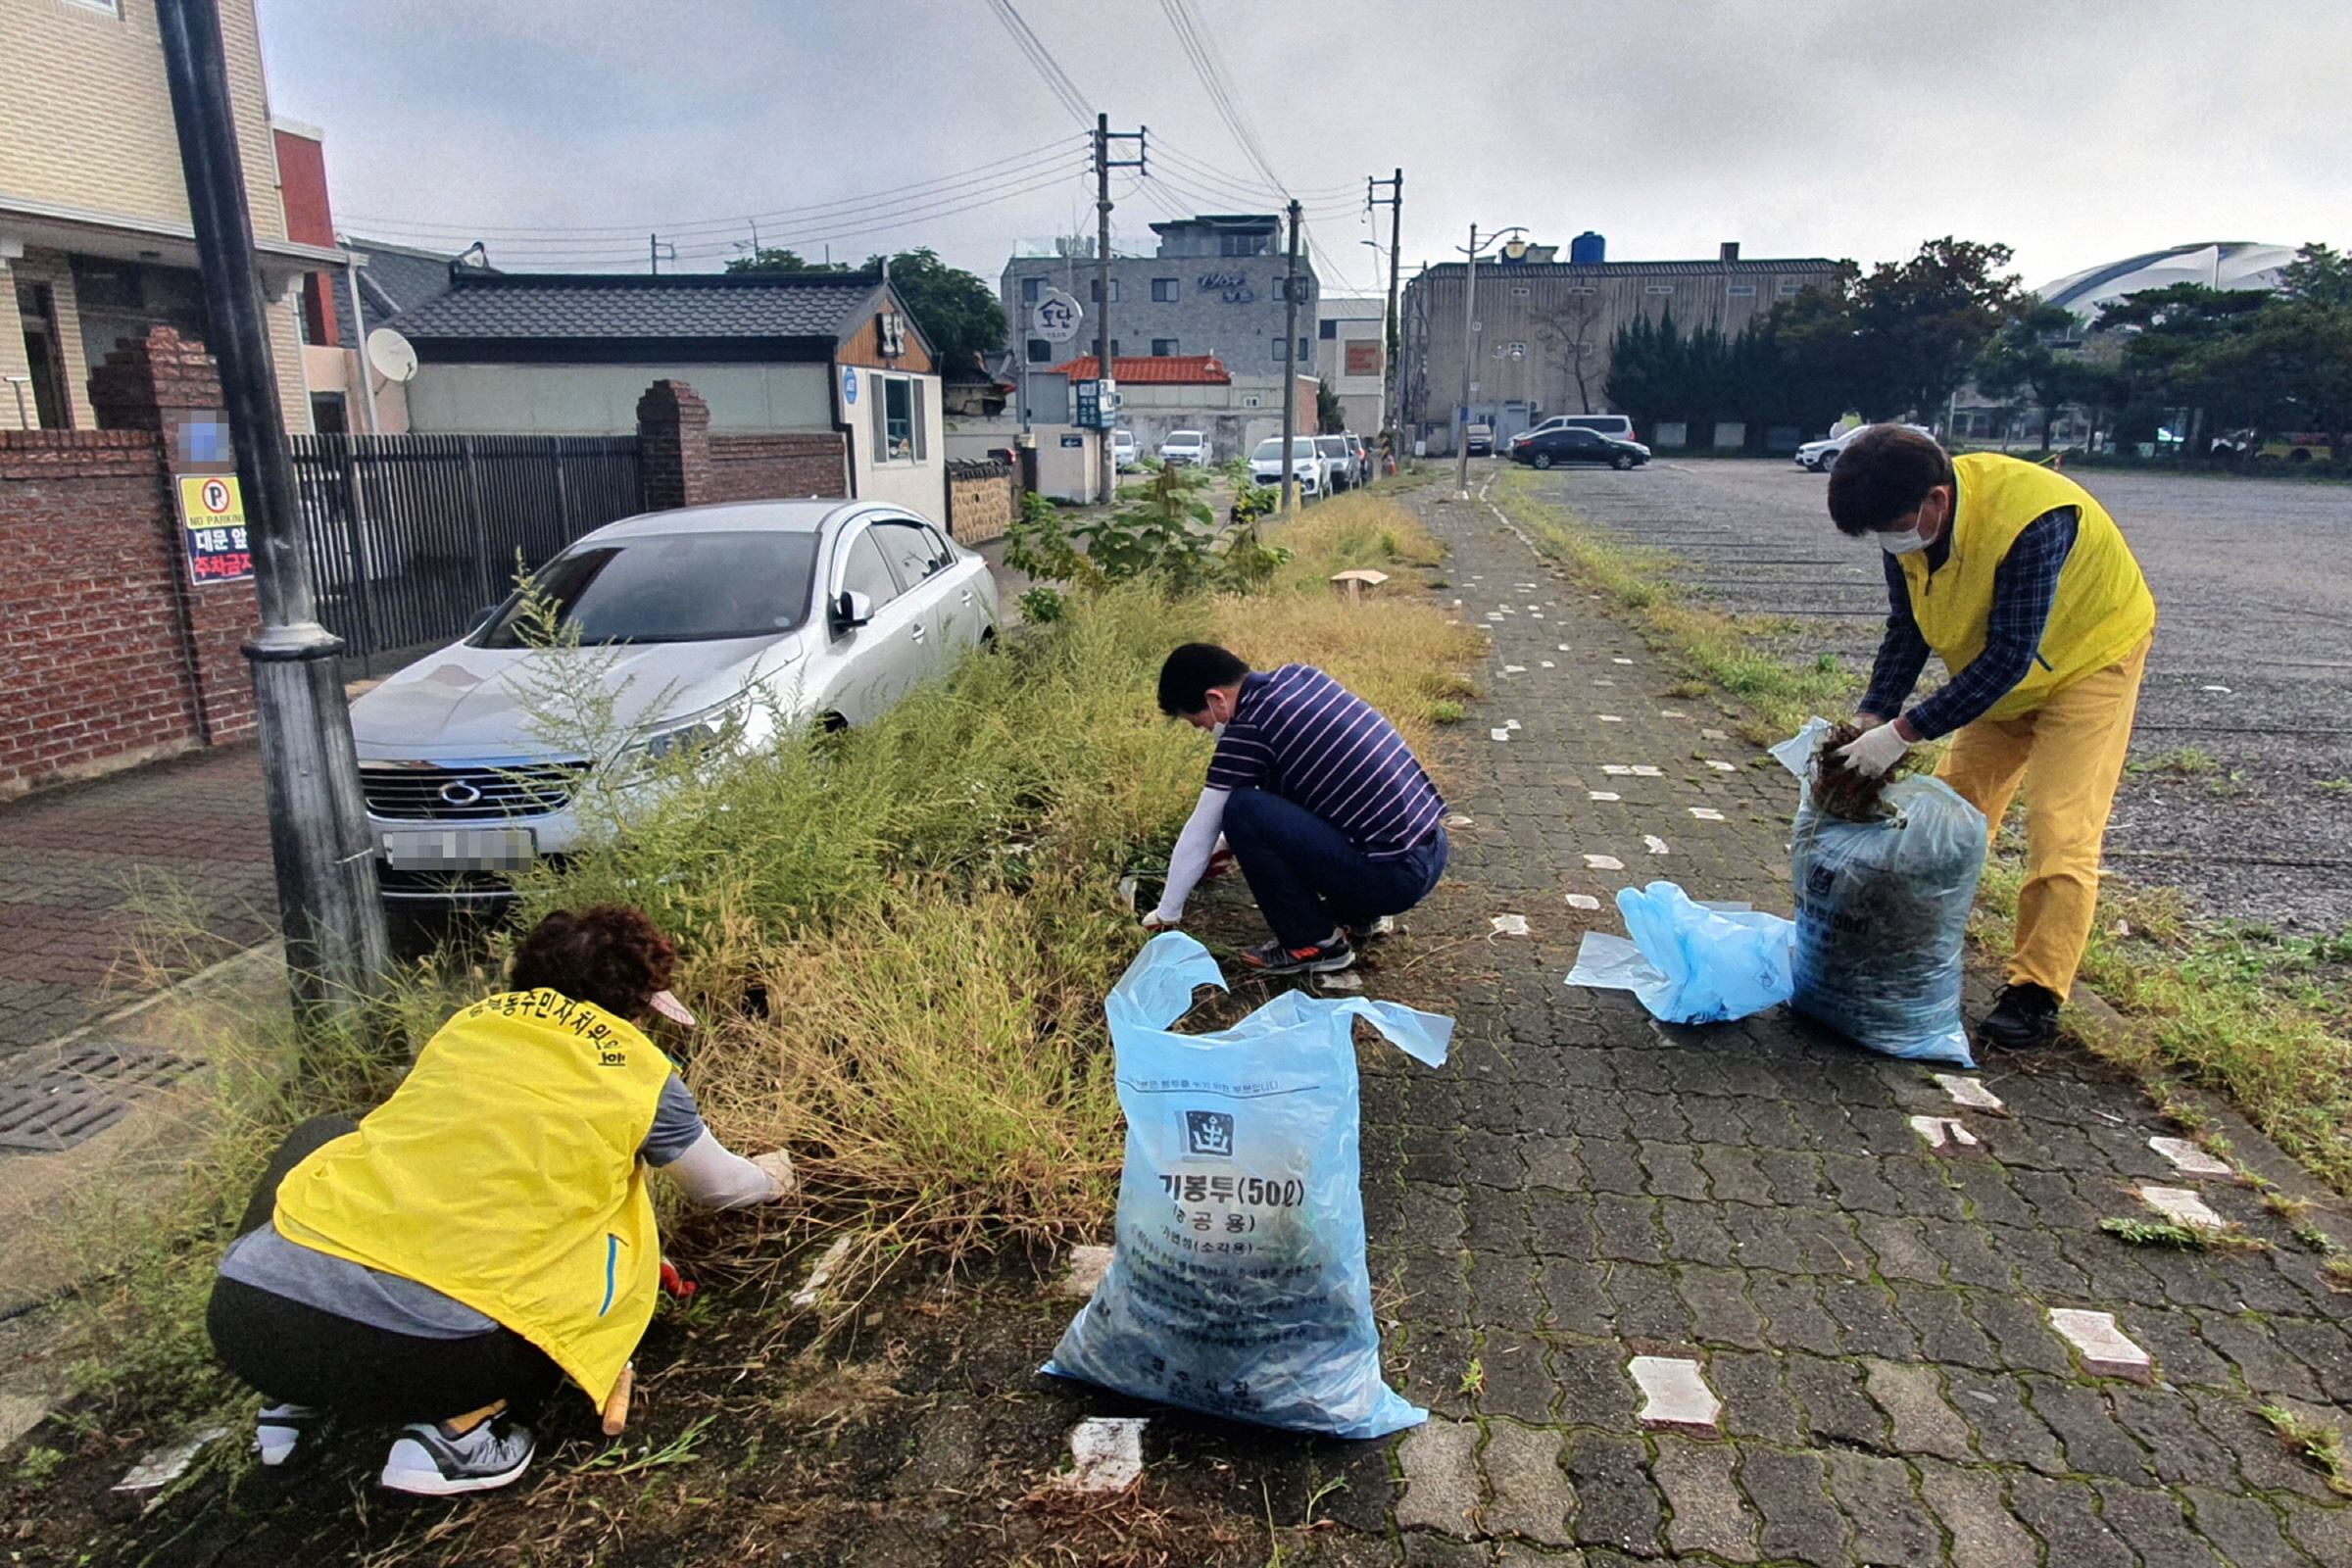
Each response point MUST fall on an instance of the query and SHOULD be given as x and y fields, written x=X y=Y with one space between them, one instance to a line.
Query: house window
x=111 y=8
x=1040 y=350
x=1281 y=350
x=1519 y=291
x=1031 y=289
x=1164 y=290
x=1306 y=350
x=1162 y=346
x=1658 y=288
x=1328 y=331
x=1245 y=244
x=1789 y=287
x=1094 y=290
x=899 y=435
x=1742 y=291
x=1580 y=288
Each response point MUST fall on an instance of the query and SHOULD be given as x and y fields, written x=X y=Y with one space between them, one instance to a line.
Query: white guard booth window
x=899 y=424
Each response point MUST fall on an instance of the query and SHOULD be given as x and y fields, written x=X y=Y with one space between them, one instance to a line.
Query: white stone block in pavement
x=1514 y=669
x=170 y=1462
x=1620 y=660
x=1611 y=719
x=1510 y=926
x=1604 y=795
x=1716 y=734
x=1672 y=713
x=2104 y=1347
x=1675 y=1395
x=1583 y=901
x=1969 y=1092
x=1939 y=1131
x=1603 y=862
x=1088 y=1266
x=1546 y=664
x=1724 y=768
x=1706 y=814
x=1510 y=723
x=1500 y=734
x=2183 y=1207
x=1457 y=820
x=2190 y=1158
x=1108 y=1454
x=1655 y=844
x=1645 y=771
x=1617 y=770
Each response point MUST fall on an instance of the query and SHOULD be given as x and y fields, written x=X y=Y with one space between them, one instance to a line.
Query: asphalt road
x=2249 y=684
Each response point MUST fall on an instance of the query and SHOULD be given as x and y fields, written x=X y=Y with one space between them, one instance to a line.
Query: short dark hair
x=609 y=956
x=1191 y=670
x=1884 y=472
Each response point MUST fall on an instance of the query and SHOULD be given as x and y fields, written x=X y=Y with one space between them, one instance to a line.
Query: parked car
x=1617 y=424
x=1333 y=449
x=1183 y=447
x=1123 y=449
x=1555 y=447
x=1817 y=456
x=1479 y=440
x=1312 y=468
x=707 y=626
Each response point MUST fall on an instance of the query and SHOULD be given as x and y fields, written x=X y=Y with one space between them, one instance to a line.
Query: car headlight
x=710 y=729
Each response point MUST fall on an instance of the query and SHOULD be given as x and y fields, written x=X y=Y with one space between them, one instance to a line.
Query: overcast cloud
x=2074 y=133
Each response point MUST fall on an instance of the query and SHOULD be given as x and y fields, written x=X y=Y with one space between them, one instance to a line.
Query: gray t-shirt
x=268 y=1261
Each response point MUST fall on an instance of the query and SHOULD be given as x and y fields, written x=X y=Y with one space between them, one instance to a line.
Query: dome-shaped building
x=2216 y=263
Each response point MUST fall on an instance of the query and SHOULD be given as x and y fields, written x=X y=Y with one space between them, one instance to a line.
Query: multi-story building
x=1214 y=288
x=95 y=238
x=1539 y=342
x=1352 y=335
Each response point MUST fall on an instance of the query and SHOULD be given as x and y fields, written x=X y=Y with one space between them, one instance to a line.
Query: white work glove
x=1874 y=753
x=1154 y=920
x=777 y=1166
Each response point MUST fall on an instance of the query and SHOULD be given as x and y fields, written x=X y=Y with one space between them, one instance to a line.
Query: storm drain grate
x=90 y=1089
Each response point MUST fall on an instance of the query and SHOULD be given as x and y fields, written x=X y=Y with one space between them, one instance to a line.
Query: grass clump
x=2317 y=1443
x=2184 y=1238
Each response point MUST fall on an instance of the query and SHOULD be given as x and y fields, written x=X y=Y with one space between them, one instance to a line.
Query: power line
x=1201 y=51
x=1057 y=80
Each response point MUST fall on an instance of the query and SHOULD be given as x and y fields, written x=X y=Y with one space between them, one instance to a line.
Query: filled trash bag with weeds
x=1689 y=962
x=1238 y=1286
x=1882 y=909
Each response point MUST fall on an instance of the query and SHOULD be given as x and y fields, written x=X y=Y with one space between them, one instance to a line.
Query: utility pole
x=1392 y=413
x=1289 y=366
x=1461 y=420
x=336 y=952
x=1106 y=388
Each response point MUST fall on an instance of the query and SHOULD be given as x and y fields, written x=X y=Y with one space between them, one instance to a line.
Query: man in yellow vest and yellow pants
x=2022 y=585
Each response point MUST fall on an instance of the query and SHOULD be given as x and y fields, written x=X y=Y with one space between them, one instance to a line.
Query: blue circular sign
x=849 y=384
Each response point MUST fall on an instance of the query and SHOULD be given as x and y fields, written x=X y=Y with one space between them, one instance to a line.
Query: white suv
x=1183 y=447
x=1314 y=471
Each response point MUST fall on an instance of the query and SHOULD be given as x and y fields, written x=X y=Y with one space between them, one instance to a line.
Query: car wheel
x=1623 y=460
x=1542 y=460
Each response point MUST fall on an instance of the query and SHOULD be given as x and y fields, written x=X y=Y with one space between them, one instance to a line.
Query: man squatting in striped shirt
x=1327 y=809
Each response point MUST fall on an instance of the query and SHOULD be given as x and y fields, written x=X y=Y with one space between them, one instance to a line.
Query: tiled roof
x=1489 y=267
x=696 y=305
x=1154 y=369
x=395 y=280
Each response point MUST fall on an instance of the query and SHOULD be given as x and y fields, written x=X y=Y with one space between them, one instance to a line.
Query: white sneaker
x=429 y=1462
x=283 y=1431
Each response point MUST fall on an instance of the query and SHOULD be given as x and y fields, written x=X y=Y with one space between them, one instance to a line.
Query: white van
x=1611 y=424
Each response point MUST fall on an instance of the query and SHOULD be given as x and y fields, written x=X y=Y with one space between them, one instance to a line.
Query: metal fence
x=409 y=536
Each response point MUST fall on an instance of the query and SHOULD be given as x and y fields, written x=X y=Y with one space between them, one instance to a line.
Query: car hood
x=474 y=703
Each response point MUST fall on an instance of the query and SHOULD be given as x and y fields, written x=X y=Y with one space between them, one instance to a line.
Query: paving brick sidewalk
x=1582 y=1186
x=77 y=865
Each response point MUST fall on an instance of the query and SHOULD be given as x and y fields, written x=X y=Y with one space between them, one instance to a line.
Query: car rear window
x=666 y=588
x=1270 y=451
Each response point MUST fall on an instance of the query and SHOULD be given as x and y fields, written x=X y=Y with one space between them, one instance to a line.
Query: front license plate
x=460 y=848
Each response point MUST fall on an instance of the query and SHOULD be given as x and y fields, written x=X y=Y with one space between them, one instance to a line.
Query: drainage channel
x=82 y=1094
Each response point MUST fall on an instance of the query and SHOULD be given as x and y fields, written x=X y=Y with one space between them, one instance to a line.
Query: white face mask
x=1217 y=731
x=1902 y=543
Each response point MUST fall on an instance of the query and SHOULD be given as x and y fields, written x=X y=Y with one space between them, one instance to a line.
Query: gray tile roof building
x=768 y=315
x=394 y=280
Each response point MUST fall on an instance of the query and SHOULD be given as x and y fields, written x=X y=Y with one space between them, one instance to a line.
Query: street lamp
x=1461 y=424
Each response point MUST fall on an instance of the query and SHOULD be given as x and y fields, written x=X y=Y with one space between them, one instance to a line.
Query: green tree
x=959 y=312
x=2174 y=356
x=1920 y=325
x=2038 y=352
x=2286 y=366
x=1330 y=417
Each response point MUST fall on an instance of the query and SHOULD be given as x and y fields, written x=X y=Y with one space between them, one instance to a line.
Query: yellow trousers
x=2069 y=755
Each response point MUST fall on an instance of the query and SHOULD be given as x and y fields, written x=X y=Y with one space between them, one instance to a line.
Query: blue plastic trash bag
x=1238 y=1284
x=1881 y=912
x=1689 y=962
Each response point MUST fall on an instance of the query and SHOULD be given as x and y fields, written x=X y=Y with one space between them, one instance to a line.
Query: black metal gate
x=409 y=536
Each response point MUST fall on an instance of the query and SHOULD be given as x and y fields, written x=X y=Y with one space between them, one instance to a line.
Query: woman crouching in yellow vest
x=2022 y=585
x=486 y=1231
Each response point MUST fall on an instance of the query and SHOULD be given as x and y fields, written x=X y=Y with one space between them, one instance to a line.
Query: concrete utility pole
x=1461 y=421
x=1105 y=366
x=1392 y=391
x=335 y=924
x=1290 y=366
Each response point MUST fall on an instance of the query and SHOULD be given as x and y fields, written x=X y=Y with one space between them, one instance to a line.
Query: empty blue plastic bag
x=1238 y=1284
x=1689 y=962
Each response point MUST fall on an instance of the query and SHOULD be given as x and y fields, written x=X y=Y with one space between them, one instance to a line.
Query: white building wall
x=601 y=399
x=920 y=485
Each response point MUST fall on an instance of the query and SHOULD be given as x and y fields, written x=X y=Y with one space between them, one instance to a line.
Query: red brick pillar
x=158 y=382
x=674 y=437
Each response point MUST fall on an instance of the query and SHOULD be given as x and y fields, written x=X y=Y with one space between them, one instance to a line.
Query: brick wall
x=762 y=467
x=108 y=656
x=981 y=500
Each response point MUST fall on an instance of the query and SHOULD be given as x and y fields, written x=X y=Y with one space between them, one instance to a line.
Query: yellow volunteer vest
x=2102 y=608
x=504 y=1173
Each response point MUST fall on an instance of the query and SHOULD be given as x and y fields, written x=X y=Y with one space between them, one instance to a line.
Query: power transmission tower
x=1392 y=419
x=1107 y=384
x=1289 y=366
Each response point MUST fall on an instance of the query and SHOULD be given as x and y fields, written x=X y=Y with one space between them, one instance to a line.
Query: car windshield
x=665 y=588
x=1270 y=450
x=1184 y=438
x=1331 y=446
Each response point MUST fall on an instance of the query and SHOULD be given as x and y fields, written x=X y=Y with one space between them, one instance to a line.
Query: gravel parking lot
x=2241 y=792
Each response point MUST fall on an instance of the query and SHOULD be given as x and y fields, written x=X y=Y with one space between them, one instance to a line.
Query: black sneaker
x=430 y=1463
x=290 y=1433
x=1323 y=957
x=2024 y=1016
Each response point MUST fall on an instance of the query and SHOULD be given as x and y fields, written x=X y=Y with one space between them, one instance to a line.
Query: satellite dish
x=393 y=356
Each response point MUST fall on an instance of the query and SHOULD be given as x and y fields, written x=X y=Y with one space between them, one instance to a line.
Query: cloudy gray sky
x=562 y=133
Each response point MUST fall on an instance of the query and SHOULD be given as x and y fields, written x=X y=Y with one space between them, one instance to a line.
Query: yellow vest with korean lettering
x=2102 y=608
x=504 y=1173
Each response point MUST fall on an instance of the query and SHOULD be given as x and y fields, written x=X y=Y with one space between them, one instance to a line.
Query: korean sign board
x=1097 y=404
x=211 y=516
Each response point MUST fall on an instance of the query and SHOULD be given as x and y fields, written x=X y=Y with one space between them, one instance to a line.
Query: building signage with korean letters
x=849 y=385
x=1056 y=317
x=1363 y=357
x=1233 y=286
x=213 y=517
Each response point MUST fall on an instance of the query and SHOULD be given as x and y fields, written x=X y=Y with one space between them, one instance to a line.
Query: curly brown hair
x=609 y=956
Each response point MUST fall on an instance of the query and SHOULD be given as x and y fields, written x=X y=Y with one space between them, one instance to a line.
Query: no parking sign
x=213 y=518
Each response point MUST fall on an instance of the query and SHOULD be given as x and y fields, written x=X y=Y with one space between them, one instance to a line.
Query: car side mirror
x=851 y=610
x=482 y=618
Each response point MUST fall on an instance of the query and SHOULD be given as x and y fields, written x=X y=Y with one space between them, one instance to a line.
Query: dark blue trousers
x=1307 y=877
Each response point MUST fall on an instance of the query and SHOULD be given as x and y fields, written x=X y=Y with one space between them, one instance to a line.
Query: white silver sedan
x=707 y=626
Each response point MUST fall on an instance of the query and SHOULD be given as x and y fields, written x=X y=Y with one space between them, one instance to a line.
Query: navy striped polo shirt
x=1298 y=733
